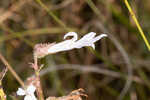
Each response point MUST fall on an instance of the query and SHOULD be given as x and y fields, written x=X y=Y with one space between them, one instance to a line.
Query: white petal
x=93 y=46
x=31 y=89
x=89 y=40
x=20 y=91
x=74 y=34
x=85 y=40
x=62 y=46
x=29 y=97
x=99 y=37
x=89 y=35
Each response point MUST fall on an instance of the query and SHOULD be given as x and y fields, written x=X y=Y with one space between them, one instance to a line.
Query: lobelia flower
x=29 y=92
x=89 y=39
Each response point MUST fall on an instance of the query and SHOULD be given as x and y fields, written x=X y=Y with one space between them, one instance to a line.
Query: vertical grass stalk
x=137 y=24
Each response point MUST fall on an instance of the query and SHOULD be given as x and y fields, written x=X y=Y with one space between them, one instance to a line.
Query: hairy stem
x=38 y=83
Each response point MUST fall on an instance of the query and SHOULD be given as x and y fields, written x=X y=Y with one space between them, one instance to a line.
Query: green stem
x=137 y=24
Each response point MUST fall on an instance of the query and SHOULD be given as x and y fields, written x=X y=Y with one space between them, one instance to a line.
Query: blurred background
x=104 y=73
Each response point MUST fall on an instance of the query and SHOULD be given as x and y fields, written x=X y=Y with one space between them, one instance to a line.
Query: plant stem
x=38 y=83
x=12 y=70
x=137 y=24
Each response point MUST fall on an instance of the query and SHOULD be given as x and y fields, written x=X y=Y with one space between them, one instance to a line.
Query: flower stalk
x=39 y=90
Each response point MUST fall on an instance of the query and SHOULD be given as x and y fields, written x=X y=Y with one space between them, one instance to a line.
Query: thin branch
x=12 y=70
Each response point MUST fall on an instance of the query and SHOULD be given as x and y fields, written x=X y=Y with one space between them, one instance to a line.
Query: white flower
x=87 y=40
x=41 y=50
x=29 y=92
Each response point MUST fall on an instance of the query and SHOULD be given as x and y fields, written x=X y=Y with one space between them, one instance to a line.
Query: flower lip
x=74 y=34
